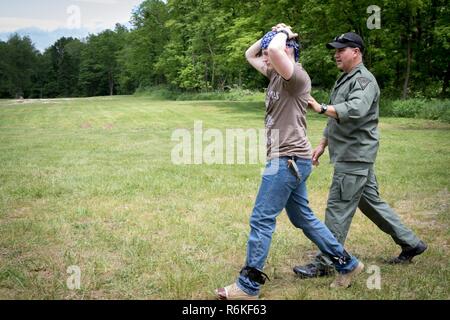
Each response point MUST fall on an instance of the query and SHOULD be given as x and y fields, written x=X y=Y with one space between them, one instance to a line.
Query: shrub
x=433 y=109
x=166 y=93
x=156 y=93
x=436 y=110
x=408 y=108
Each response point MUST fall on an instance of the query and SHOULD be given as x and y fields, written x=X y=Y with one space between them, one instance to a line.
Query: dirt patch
x=20 y=213
x=97 y=295
x=434 y=204
x=43 y=272
x=3 y=253
x=86 y=125
x=425 y=212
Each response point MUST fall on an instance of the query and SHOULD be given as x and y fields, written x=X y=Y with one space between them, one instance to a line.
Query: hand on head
x=288 y=29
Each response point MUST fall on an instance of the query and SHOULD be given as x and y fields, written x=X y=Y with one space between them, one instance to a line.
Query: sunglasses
x=342 y=39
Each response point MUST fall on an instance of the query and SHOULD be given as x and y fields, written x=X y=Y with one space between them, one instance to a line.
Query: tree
x=99 y=69
x=60 y=67
x=199 y=45
x=4 y=79
x=19 y=57
x=145 y=44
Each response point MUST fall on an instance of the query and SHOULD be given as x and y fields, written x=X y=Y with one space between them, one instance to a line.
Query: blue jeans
x=281 y=189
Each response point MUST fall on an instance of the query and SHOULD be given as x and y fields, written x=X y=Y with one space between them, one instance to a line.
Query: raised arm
x=279 y=58
x=256 y=60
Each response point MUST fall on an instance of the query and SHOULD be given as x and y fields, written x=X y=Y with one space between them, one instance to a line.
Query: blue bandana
x=268 y=37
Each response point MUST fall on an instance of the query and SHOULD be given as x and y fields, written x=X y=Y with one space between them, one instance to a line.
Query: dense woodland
x=199 y=45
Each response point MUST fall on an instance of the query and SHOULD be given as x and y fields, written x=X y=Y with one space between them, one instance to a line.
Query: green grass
x=90 y=182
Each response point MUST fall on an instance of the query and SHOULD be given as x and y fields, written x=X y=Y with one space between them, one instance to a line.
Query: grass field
x=90 y=183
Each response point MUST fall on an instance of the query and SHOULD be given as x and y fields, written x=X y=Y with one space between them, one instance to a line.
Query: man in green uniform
x=352 y=138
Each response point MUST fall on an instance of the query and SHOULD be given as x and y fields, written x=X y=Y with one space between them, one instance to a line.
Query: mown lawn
x=90 y=183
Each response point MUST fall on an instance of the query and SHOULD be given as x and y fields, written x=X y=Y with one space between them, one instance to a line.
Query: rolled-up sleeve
x=357 y=104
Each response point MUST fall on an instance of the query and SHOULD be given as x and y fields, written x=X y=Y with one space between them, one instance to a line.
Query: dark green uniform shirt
x=353 y=137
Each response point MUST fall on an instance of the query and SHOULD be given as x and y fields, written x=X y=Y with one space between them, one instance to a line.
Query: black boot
x=407 y=254
x=311 y=271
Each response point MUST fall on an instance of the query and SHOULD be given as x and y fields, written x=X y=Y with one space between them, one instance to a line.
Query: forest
x=199 y=46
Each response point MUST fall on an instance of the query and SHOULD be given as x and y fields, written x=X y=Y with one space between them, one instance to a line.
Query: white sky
x=93 y=15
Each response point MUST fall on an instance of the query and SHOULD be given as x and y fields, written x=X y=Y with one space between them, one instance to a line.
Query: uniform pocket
x=351 y=184
x=348 y=189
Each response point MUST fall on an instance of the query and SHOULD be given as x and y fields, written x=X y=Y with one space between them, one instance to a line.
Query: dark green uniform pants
x=355 y=186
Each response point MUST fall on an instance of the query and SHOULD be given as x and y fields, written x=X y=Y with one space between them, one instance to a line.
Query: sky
x=43 y=20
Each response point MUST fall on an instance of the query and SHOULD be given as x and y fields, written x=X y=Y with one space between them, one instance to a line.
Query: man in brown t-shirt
x=289 y=164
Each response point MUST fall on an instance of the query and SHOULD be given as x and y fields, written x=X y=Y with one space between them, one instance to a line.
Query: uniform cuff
x=342 y=112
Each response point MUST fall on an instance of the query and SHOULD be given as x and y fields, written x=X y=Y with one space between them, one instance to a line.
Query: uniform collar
x=346 y=76
x=355 y=69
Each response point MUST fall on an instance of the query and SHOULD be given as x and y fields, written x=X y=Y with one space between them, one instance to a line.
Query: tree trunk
x=408 y=69
x=430 y=34
x=213 y=72
x=111 y=84
x=446 y=81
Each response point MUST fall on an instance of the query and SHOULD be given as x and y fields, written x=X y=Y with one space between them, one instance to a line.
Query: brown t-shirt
x=286 y=103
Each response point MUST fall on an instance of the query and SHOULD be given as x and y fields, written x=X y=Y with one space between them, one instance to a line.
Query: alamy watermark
x=229 y=146
x=74 y=19
x=74 y=280
x=374 y=21
x=374 y=281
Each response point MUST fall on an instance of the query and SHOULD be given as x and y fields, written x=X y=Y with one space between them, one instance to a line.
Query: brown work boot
x=344 y=280
x=232 y=292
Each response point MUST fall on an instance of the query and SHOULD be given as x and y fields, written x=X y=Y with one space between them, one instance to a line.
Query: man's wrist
x=323 y=108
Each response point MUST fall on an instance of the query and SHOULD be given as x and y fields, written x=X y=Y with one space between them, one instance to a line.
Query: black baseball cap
x=349 y=39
